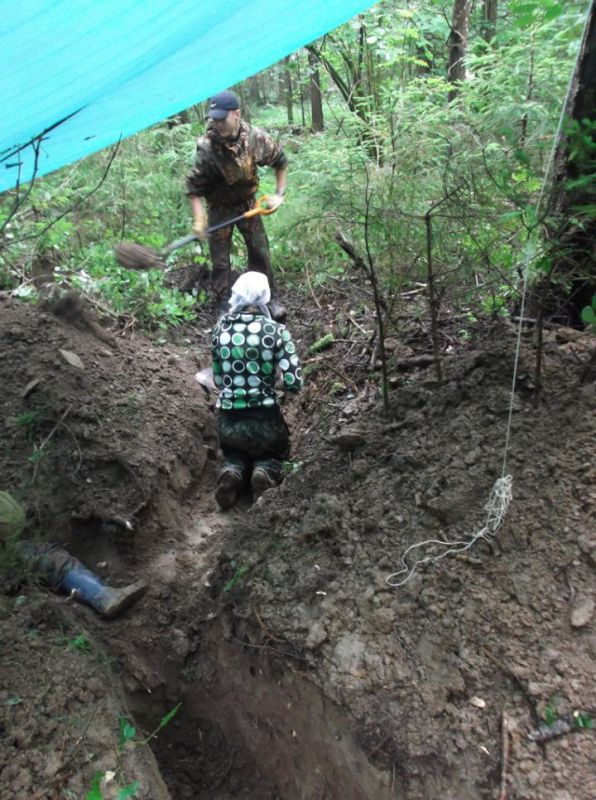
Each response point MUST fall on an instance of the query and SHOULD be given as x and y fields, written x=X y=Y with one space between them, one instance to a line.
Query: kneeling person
x=249 y=351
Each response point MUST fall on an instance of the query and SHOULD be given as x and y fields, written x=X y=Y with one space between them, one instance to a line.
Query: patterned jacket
x=225 y=173
x=248 y=349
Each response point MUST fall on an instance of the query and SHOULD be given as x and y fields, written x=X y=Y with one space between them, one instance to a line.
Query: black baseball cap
x=221 y=103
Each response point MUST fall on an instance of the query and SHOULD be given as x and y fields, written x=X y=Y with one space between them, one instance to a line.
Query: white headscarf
x=251 y=289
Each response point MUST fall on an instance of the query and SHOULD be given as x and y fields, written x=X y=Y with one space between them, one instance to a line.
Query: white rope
x=502 y=491
x=496 y=509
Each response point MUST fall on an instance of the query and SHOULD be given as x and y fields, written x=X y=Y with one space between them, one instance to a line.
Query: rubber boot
x=229 y=484
x=260 y=481
x=91 y=590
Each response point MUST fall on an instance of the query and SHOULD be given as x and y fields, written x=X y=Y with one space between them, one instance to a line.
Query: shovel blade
x=137 y=256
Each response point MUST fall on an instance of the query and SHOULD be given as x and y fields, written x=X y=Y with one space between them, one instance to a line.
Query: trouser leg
x=233 y=475
x=220 y=245
x=257 y=246
x=236 y=461
x=63 y=571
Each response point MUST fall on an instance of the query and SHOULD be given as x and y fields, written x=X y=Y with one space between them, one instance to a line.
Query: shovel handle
x=191 y=237
x=261 y=208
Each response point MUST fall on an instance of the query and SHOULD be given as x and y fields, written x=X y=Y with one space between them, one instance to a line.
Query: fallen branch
x=424 y=360
x=505 y=751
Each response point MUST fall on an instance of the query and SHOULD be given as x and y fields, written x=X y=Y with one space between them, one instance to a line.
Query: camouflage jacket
x=225 y=173
x=248 y=351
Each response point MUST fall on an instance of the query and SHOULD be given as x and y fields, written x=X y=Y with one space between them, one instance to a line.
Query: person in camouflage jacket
x=223 y=183
x=250 y=350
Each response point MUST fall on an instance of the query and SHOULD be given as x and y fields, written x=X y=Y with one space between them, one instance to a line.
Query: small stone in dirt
x=587 y=544
x=399 y=463
x=180 y=643
x=582 y=611
x=383 y=620
x=473 y=456
x=349 y=653
x=316 y=636
x=348 y=440
x=360 y=468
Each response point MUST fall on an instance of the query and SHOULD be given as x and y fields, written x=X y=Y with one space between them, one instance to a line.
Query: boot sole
x=226 y=493
x=259 y=484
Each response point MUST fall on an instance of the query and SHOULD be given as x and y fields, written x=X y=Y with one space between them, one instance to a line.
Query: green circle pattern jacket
x=248 y=351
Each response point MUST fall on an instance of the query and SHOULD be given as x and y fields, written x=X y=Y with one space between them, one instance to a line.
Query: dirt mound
x=429 y=673
x=302 y=674
x=103 y=440
x=96 y=425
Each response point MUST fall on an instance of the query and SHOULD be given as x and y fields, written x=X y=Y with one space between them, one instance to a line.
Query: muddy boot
x=88 y=588
x=260 y=481
x=115 y=601
x=277 y=310
x=229 y=484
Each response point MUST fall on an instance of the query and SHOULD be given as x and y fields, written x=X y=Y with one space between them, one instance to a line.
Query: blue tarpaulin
x=77 y=75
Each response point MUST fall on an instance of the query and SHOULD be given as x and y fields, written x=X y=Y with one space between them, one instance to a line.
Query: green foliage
x=70 y=236
x=94 y=792
x=127 y=732
x=128 y=791
x=14 y=701
x=80 y=642
x=37 y=454
x=589 y=315
x=583 y=720
x=167 y=718
x=322 y=344
x=142 y=295
x=394 y=150
x=291 y=467
x=239 y=573
x=30 y=421
x=550 y=712
x=126 y=735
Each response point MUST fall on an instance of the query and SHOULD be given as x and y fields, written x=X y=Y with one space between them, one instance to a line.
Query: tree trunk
x=572 y=215
x=316 y=101
x=289 y=91
x=255 y=90
x=489 y=19
x=458 y=43
x=301 y=87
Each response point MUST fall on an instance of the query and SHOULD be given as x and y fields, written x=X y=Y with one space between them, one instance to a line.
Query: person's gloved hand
x=274 y=201
x=199 y=227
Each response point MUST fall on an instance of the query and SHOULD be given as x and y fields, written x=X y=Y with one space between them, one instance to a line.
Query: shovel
x=137 y=256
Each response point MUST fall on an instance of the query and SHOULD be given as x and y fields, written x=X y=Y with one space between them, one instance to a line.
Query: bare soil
x=302 y=674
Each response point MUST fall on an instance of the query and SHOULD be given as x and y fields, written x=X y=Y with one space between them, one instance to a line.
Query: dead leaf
x=30 y=387
x=72 y=359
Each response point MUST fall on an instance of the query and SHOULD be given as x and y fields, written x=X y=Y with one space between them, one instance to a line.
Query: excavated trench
x=252 y=722
x=254 y=727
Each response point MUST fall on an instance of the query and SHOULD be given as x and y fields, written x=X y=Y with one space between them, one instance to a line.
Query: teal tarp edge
x=97 y=72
